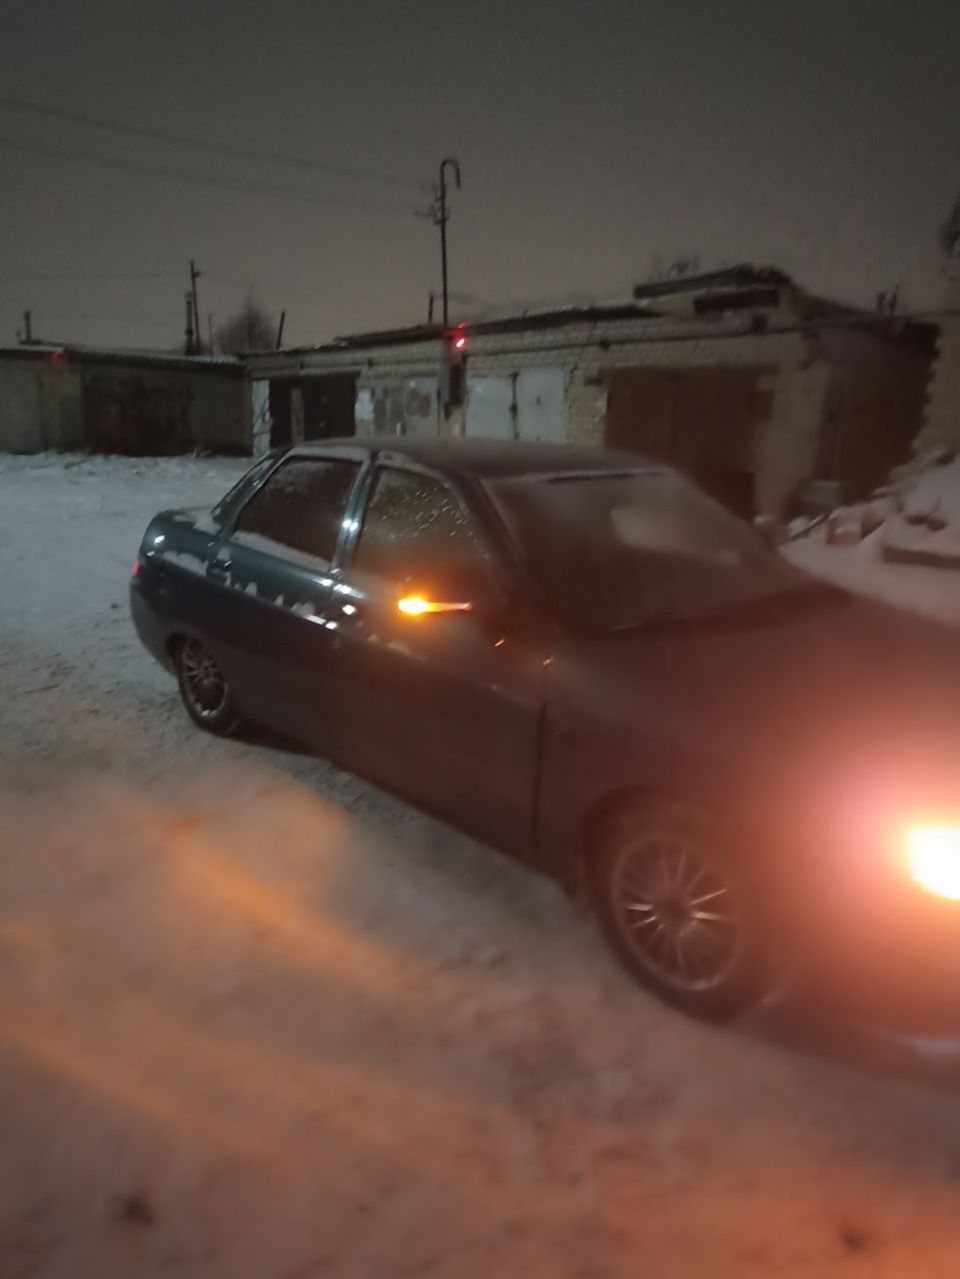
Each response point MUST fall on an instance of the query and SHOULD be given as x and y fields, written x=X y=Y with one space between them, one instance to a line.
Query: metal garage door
x=328 y=406
x=420 y=406
x=541 y=405
x=703 y=421
x=490 y=407
x=529 y=405
x=407 y=407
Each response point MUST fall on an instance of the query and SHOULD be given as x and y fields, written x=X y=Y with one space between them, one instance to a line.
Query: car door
x=444 y=708
x=272 y=571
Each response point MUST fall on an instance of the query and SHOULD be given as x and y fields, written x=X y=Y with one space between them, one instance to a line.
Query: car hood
x=850 y=696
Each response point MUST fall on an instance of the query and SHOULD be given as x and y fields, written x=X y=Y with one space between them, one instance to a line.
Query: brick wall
x=941 y=424
x=786 y=452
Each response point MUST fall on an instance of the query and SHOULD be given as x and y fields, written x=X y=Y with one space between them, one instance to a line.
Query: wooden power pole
x=189 y=331
x=194 y=276
x=441 y=216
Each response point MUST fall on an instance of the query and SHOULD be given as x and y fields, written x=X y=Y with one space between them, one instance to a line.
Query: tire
x=204 y=689
x=679 y=909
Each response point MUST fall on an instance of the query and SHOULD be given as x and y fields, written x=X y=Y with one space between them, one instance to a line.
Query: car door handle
x=220 y=569
x=351 y=610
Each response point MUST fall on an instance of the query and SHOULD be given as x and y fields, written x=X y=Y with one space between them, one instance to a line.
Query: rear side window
x=413 y=525
x=246 y=484
x=301 y=506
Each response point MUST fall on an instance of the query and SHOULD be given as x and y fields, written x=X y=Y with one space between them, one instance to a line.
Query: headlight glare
x=933 y=854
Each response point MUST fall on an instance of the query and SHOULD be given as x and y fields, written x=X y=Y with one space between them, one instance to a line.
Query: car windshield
x=613 y=551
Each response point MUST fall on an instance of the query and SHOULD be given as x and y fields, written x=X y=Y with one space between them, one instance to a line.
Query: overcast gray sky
x=823 y=136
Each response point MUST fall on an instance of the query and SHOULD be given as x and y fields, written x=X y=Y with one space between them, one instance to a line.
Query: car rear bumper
x=150 y=626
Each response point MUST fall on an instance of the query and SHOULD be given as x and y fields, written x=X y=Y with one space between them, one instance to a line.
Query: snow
x=928 y=529
x=931 y=591
x=259 y=1019
x=911 y=550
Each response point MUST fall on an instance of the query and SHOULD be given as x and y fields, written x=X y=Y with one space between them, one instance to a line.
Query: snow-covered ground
x=259 y=1019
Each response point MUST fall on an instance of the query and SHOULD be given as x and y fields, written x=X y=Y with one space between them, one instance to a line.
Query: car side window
x=247 y=482
x=415 y=526
x=301 y=506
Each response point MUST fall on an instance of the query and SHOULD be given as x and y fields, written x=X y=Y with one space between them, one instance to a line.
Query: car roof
x=487 y=459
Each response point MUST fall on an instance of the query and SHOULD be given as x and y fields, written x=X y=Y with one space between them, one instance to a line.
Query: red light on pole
x=455 y=341
x=454 y=356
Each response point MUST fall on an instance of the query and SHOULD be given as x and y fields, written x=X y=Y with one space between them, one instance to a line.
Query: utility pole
x=27 y=327
x=194 y=276
x=210 y=330
x=188 y=345
x=283 y=320
x=441 y=216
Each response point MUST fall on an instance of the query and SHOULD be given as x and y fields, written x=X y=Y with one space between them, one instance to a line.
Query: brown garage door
x=702 y=421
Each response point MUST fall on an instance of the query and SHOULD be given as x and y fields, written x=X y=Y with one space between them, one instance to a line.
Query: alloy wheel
x=203 y=680
x=676 y=914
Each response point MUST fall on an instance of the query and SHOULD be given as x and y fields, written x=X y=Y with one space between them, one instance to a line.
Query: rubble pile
x=914 y=519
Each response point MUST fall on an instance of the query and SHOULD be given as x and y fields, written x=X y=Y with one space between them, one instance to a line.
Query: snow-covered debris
x=866 y=566
x=926 y=530
x=845 y=526
x=912 y=521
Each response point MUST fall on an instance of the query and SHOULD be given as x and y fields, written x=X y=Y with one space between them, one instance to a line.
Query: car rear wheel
x=204 y=688
x=677 y=907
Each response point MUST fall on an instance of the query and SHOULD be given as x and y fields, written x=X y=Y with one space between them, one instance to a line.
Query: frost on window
x=618 y=550
x=243 y=487
x=660 y=525
x=414 y=525
x=302 y=506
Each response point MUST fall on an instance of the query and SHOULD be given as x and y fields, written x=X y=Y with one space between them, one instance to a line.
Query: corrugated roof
x=118 y=355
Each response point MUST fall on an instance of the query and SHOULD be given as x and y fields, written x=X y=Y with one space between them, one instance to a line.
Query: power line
x=153 y=312
x=300 y=194
x=272 y=284
x=225 y=148
x=88 y=276
x=138 y=319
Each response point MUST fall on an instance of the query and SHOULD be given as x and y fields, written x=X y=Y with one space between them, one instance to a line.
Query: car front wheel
x=676 y=903
x=204 y=689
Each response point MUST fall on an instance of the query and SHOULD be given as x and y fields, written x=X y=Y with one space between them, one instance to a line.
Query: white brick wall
x=785 y=454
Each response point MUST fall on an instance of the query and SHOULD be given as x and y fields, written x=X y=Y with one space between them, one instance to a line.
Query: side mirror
x=418 y=603
x=445 y=591
x=767 y=528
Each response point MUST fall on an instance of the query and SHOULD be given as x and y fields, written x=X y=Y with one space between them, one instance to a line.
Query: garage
x=702 y=420
x=311 y=408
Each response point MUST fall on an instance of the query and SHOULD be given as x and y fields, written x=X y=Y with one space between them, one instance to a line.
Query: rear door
x=272 y=573
x=443 y=708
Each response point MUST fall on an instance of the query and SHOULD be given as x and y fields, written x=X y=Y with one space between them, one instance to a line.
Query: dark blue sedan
x=583 y=661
